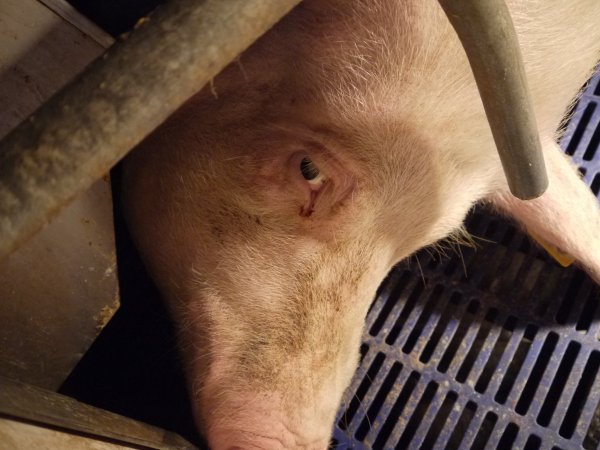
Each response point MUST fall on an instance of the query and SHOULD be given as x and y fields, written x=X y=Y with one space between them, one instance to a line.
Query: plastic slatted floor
x=506 y=356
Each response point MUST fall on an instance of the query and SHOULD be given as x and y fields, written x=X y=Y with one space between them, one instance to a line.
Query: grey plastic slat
x=451 y=424
x=427 y=420
x=546 y=381
x=505 y=360
x=432 y=323
x=449 y=331
x=566 y=395
x=381 y=418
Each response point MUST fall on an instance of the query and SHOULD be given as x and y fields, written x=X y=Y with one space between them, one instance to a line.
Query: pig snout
x=260 y=422
x=289 y=418
x=275 y=363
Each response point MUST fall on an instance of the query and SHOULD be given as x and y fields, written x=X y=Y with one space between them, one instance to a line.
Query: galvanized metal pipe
x=488 y=36
x=79 y=134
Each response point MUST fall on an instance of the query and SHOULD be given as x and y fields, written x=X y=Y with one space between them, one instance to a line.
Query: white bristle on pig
x=269 y=263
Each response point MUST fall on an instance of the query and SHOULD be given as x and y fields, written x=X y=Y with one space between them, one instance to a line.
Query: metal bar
x=488 y=36
x=79 y=134
x=24 y=402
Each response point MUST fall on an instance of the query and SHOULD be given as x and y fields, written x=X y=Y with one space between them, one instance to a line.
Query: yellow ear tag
x=562 y=258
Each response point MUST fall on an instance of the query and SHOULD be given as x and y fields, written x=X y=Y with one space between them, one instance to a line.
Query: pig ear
x=565 y=219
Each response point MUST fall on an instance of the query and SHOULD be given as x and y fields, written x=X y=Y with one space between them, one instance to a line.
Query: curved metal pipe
x=488 y=36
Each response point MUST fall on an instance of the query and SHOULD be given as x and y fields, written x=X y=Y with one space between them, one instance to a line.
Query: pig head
x=272 y=204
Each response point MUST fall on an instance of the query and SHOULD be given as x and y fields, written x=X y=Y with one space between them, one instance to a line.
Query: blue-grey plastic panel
x=494 y=347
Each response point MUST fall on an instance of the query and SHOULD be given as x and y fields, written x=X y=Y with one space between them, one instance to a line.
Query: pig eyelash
x=311 y=172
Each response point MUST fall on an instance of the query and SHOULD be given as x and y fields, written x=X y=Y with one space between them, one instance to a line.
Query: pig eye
x=310 y=172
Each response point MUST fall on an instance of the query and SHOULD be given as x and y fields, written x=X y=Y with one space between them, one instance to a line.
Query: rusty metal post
x=488 y=36
x=79 y=134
